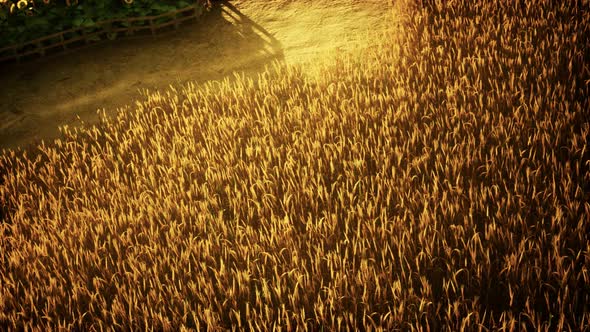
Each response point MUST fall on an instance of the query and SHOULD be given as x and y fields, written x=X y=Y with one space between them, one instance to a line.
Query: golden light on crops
x=437 y=180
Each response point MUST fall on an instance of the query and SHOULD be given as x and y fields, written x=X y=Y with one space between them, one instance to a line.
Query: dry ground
x=37 y=97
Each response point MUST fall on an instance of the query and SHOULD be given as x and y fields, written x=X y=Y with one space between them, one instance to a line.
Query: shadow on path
x=248 y=27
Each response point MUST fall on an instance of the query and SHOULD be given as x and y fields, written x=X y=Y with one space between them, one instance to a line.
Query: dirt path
x=38 y=97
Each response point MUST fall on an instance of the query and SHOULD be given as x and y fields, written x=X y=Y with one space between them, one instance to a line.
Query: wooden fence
x=61 y=40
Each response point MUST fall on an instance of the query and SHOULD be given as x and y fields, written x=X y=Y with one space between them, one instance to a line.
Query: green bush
x=25 y=20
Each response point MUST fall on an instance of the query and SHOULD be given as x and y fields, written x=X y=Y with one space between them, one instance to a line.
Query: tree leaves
x=48 y=19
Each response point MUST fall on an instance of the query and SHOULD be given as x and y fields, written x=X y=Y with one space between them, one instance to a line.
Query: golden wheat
x=438 y=181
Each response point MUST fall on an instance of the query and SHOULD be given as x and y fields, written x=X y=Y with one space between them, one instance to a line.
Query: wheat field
x=437 y=180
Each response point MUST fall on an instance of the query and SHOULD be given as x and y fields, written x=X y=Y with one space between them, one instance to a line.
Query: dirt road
x=37 y=97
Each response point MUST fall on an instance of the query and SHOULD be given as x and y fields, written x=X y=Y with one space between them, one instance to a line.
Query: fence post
x=16 y=55
x=40 y=48
x=152 y=27
x=63 y=44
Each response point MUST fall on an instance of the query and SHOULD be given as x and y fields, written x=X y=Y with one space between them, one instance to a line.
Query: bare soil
x=39 y=96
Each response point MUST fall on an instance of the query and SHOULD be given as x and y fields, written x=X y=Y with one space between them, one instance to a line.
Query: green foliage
x=35 y=20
